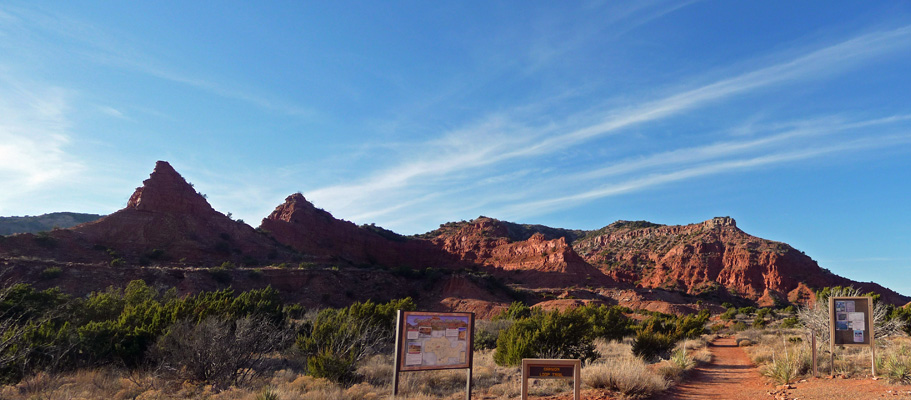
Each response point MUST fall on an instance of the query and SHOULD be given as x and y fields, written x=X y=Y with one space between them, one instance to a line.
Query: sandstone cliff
x=710 y=256
x=536 y=262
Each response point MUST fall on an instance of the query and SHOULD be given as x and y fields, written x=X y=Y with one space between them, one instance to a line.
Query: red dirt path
x=732 y=376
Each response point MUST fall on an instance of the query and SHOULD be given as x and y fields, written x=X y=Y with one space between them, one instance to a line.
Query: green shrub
x=552 y=334
x=295 y=311
x=50 y=273
x=337 y=339
x=608 y=323
x=516 y=310
x=221 y=275
x=218 y=350
x=44 y=239
x=487 y=332
x=114 y=326
x=656 y=336
x=747 y=310
x=651 y=346
x=790 y=322
x=729 y=314
x=155 y=254
x=332 y=365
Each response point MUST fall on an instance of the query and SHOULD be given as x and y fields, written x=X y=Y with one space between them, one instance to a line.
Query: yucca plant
x=267 y=394
x=897 y=366
x=682 y=360
x=785 y=366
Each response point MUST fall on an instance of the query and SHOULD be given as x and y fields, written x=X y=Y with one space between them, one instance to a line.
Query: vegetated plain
x=169 y=298
x=145 y=342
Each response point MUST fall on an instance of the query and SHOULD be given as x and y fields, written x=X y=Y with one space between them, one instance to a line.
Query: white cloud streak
x=34 y=133
x=500 y=139
x=727 y=166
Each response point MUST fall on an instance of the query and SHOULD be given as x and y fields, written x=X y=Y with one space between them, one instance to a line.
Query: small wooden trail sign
x=540 y=368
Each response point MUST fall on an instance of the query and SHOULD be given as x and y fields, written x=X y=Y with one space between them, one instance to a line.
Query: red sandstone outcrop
x=311 y=230
x=536 y=262
x=167 y=213
x=165 y=220
x=710 y=256
x=168 y=221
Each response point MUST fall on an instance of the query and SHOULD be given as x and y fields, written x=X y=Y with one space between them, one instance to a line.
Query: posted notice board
x=851 y=321
x=435 y=340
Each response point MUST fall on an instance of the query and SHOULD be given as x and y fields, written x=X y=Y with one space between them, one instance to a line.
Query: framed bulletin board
x=427 y=341
x=851 y=321
x=431 y=340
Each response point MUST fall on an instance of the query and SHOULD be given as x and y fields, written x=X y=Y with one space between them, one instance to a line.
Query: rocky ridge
x=168 y=226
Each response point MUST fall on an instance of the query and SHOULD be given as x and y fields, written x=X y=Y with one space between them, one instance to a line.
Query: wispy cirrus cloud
x=494 y=145
x=647 y=181
x=27 y=28
x=34 y=136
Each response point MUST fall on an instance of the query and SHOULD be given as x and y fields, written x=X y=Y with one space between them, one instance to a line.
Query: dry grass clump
x=897 y=365
x=702 y=355
x=781 y=356
x=619 y=371
x=786 y=365
x=377 y=370
x=96 y=383
x=613 y=349
x=629 y=376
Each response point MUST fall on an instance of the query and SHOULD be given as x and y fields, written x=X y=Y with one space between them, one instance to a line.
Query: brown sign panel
x=541 y=368
x=550 y=372
x=434 y=340
x=851 y=321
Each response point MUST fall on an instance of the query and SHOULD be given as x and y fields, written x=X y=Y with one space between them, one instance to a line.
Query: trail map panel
x=435 y=341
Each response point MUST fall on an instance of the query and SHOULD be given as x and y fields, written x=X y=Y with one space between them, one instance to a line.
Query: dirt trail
x=730 y=375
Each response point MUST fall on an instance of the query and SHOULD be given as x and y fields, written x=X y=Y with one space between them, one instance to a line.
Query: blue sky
x=791 y=117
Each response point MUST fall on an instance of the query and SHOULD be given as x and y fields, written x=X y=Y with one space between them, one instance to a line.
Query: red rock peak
x=167 y=191
x=297 y=209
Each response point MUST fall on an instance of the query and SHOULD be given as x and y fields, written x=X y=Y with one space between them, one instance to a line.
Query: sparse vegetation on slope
x=44 y=222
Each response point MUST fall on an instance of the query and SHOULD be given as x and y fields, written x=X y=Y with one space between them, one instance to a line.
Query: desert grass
x=616 y=369
x=896 y=365
x=784 y=355
x=629 y=376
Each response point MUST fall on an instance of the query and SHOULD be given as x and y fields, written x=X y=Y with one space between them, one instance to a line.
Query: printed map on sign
x=436 y=340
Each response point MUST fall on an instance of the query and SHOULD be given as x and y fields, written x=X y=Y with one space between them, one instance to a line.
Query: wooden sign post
x=851 y=324
x=538 y=368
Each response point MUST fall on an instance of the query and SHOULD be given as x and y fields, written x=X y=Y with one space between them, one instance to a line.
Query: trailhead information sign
x=851 y=321
x=435 y=341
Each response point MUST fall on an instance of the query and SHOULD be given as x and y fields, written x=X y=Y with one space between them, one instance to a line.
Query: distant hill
x=45 y=222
